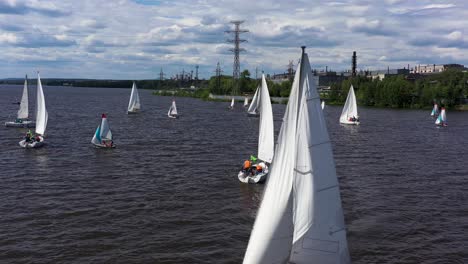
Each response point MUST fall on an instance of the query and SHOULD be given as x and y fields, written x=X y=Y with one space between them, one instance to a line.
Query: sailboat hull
x=34 y=144
x=104 y=146
x=135 y=111
x=253 y=179
x=253 y=114
x=350 y=122
x=25 y=123
x=173 y=116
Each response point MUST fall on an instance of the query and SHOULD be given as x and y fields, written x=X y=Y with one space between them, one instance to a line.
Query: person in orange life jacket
x=258 y=169
x=247 y=167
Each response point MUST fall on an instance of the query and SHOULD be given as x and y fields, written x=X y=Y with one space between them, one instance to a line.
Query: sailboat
x=172 y=113
x=134 y=105
x=232 y=104
x=266 y=142
x=41 y=120
x=323 y=104
x=300 y=219
x=246 y=101
x=349 y=115
x=253 y=108
x=442 y=118
x=435 y=111
x=23 y=112
x=103 y=136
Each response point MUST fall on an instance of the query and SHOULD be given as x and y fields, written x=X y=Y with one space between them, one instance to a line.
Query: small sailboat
x=36 y=141
x=266 y=141
x=246 y=101
x=172 y=113
x=231 y=106
x=300 y=219
x=253 y=108
x=323 y=104
x=435 y=111
x=134 y=105
x=349 y=115
x=23 y=112
x=103 y=136
x=442 y=118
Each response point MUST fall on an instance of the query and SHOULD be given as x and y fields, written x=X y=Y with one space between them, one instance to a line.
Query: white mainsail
x=232 y=103
x=173 y=109
x=23 y=112
x=300 y=219
x=323 y=105
x=266 y=140
x=350 y=107
x=134 y=103
x=246 y=101
x=255 y=102
x=41 y=111
x=442 y=118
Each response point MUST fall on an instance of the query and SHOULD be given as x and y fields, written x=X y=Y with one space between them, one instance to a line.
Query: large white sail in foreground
x=300 y=219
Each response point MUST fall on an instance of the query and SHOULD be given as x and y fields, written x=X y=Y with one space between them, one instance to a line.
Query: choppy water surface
x=169 y=192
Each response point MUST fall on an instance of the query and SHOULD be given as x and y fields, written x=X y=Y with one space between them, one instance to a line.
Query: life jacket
x=259 y=168
x=246 y=164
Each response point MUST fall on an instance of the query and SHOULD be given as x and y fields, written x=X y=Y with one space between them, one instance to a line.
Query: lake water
x=169 y=192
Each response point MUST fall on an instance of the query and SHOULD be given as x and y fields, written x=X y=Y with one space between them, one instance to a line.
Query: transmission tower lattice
x=236 y=50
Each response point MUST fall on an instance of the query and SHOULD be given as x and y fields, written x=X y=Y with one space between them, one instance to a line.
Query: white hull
x=173 y=116
x=350 y=122
x=34 y=144
x=133 y=111
x=256 y=178
x=253 y=179
x=22 y=124
x=253 y=114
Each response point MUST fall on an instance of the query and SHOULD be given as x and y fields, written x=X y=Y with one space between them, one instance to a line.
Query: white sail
x=41 y=111
x=23 y=112
x=323 y=105
x=266 y=141
x=442 y=118
x=134 y=103
x=350 y=107
x=435 y=110
x=246 y=102
x=173 y=109
x=300 y=219
x=254 y=104
x=105 y=129
x=232 y=103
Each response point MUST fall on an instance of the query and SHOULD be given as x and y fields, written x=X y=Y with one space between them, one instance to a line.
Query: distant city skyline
x=127 y=39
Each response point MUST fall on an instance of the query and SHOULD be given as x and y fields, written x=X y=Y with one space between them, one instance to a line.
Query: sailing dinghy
x=266 y=142
x=36 y=141
x=23 y=112
x=172 y=113
x=323 y=105
x=349 y=115
x=134 y=105
x=253 y=108
x=246 y=101
x=435 y=111
x=442 y=118
x=103 y=136
x=231 y=106
x=300 y=219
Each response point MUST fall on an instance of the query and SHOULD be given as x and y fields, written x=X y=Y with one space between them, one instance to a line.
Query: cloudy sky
x=134 y=39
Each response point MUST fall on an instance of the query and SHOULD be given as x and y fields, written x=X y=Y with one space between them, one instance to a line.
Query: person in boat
x=247 y=168
x=108 y=143
x=28 y=136
x=258 y=169
x=19 y=120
